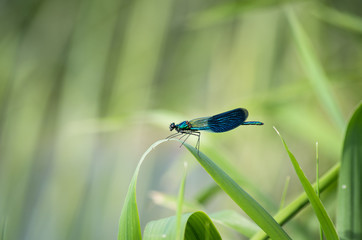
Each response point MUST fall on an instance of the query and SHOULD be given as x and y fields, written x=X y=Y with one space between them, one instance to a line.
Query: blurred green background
x=87 y=86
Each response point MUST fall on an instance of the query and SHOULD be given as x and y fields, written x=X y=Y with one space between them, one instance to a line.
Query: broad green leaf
x=195 y=225
x=252 y=208
x=129 y=222
x=325 y=221
x=349 y=209
x=236 y=222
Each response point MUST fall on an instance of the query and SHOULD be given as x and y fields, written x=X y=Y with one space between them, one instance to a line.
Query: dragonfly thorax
x=181 y=127
x=173 y=126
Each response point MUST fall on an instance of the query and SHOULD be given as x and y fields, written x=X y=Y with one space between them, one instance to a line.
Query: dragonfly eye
x=172 y=126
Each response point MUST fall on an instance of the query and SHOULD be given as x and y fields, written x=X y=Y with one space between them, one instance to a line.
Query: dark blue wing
x=228 y=120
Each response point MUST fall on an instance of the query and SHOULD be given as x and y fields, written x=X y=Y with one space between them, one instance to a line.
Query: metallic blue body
x=183 y=126
x=222 y=122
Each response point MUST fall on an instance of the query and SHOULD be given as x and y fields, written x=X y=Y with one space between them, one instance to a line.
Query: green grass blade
x=3 y=229
x=226 y=11
x=314 y=70
x=252 y=208
x=240 y=179
x=284 y=194
x=236 y=222
x=287 y=213
x=129 y=222
x=340 y=19
x=195 y=225
x=349 y=208
x=180 y=202
x=321 y=213
x=317 y=170
x=317 y=182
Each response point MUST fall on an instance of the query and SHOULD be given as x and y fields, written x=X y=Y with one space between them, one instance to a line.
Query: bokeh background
x=87 y=86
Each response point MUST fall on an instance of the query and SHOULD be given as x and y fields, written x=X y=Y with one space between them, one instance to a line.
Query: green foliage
x=129 y=223
x=129 y=226
x=193 y=225
x=252 y=208
x=287 y=213
x=86 y=86
x=196 y=225
x=320 y=211
x=349 y=208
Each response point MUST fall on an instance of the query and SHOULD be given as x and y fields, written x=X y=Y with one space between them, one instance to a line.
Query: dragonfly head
x=173 y=126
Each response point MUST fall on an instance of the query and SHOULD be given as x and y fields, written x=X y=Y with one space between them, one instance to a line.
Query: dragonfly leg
x=184 y=135
x=187 y=134
x=197 y=134
x=174 y=135
x=198 y=143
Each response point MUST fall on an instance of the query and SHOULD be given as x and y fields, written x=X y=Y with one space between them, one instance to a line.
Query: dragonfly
x=219 y=123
